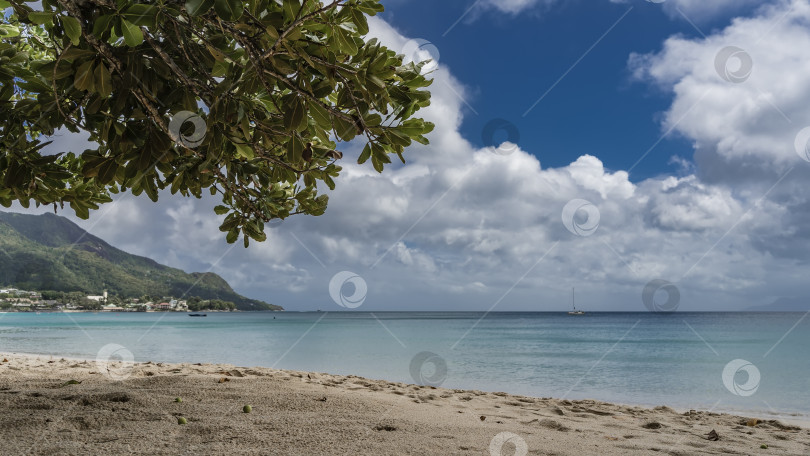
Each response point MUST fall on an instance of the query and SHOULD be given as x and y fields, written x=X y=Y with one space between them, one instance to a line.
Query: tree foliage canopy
x=247 y=99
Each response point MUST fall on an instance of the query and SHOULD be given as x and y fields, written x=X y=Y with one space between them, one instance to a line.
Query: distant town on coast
x=17 y=300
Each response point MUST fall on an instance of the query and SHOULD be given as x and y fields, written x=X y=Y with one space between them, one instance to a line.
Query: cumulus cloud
x=461 y=227
x=750 y=119
x=740 y=95
x=688 y=205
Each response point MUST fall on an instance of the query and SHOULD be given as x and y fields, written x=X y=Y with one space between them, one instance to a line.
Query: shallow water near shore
x=632 y=358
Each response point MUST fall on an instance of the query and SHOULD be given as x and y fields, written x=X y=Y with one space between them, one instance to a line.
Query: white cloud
x=688 y=205
x=744 y=130
x=739 y=127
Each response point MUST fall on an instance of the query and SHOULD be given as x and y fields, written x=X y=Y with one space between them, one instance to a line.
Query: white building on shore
x=102 y=298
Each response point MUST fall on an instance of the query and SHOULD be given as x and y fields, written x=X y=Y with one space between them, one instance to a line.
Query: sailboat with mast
x=574 y=304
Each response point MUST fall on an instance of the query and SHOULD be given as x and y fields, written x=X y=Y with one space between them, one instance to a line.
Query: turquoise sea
x=738 y=362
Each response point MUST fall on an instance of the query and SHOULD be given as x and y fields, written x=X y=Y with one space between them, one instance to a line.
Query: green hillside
x=48 y=252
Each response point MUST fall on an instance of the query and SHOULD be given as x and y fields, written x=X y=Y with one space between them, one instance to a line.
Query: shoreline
x=119 y=408
x=791 y=418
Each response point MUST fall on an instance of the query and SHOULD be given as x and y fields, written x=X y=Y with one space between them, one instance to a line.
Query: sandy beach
x=55 y=406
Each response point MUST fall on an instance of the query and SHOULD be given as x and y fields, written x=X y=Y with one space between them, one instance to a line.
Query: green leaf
x=295 y=115
x=103 y=80
x=378 y=166
x=106 y=172
x=198 y=7
x=370 y=7
x=102 y=24
x=141 y=14
x=145 y=158
x=232 y=236
x=359 y=20
x=244 y=151
x=329 y=182
x=272 y=32
x=40 y=17
x=229 y=10
x=379 y=153
x=295 y=149
x=344 y=129
x=412 y=127
x=84 y=77
x=257 y=231
x=290 y=8
x=230 y=223
x=320 y=114
x=364 y=156
x=72 y=28
x=150 y=189
x=76 y=53
x=177 y=183
x=421 y=140
x=133 y=35
x=220 y=210
x=81 y=211
x=344 y=41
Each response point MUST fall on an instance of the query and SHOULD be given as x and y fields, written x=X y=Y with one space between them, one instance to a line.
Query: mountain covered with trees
x=49 y=252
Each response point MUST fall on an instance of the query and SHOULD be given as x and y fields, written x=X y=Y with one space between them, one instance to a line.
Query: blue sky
x=510 y=60
x=716 y=213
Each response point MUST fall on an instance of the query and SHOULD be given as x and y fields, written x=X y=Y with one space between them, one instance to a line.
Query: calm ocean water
x=633 y=358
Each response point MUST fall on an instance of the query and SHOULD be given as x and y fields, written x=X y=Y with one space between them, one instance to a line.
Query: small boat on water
x=197 y=315
x=574 y=304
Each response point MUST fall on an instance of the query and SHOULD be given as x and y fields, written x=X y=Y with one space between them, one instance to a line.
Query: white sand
x=296 y=413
